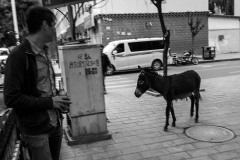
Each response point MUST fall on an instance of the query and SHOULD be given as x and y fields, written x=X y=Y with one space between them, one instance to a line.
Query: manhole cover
x=210 y=133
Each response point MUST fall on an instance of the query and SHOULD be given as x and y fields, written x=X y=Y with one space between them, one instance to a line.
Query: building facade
x=146 y=25
x=110 y=20
x=224 y=25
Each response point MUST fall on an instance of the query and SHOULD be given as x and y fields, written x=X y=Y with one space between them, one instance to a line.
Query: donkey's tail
x=200 y=97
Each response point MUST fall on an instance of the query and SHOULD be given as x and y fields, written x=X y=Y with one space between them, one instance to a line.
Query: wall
x=134 y=26
x=224 y=33
x=236 y=8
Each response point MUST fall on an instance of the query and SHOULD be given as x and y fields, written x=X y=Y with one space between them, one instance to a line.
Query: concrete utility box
x=82 y=77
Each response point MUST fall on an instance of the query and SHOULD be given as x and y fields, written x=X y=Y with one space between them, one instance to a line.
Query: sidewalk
x=136 y=125
x=137 y=132
x=221 y=57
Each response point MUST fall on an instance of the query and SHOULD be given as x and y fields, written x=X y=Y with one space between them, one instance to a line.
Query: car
x=130 y=53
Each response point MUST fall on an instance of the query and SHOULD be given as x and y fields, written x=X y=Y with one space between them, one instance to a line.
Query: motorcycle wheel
x=195 y=60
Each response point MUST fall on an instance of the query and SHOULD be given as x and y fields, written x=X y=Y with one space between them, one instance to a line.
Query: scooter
x=188 y=58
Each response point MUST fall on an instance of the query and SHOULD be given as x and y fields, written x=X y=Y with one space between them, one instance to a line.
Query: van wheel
x=110 y=70
x=156 y=65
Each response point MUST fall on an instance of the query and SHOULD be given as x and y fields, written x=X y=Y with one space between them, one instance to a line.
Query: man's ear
x=45 y=25
x=139 y=68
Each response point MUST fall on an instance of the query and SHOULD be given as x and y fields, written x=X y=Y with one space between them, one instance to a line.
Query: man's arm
x=14 y=84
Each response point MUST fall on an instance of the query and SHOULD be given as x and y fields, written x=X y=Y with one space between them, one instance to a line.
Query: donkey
x=173 y=87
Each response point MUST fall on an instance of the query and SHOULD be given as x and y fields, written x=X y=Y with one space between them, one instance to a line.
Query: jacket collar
x=28 y=47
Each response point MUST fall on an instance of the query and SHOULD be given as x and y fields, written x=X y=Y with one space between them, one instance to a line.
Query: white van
x=128 y=54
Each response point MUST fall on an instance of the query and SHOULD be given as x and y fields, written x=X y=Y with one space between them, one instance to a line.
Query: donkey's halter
x=145 y=80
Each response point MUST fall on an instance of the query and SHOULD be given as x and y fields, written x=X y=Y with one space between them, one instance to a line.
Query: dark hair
x=36 y=15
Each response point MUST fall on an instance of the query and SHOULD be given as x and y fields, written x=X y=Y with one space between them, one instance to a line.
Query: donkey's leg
x=192 y=105
x=167 y=115
x=197 y=106
x=173 y=116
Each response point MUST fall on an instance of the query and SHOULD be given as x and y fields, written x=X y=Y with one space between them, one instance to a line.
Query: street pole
x=14 y=13
x=70 y=16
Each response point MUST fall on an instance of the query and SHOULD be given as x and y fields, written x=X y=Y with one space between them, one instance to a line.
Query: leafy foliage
x=195 y=27
x=7 y=34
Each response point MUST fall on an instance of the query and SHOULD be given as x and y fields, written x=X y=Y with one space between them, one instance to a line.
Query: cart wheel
x=110 y=70
x=178 y=63
x=156 y=65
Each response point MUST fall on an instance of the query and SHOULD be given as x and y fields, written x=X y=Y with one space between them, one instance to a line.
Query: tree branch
x=78 y=12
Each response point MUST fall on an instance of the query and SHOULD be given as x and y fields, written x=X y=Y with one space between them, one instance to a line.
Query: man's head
x=41 y=20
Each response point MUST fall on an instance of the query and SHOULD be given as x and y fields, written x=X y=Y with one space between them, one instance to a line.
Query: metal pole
x=14 y=13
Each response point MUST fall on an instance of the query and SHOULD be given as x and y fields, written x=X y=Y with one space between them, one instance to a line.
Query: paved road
x=206 y=71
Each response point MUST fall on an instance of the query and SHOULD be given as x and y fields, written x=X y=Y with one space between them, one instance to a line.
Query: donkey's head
x=143 y=83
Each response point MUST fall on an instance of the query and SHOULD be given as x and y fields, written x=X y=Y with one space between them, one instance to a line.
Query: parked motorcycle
x=187 y=58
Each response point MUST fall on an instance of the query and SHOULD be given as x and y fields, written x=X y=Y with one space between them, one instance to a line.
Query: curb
x=213 y=60
x=219 y=60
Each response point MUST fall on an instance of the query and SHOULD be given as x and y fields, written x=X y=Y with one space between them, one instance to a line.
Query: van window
x=146 y=45
x=120 y=48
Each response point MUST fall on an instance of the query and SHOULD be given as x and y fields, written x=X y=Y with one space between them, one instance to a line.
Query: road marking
x=108 y=83
x=112 y=79
x=205 y=66
x=217 y=68
x=120 y=86
x=235 y=72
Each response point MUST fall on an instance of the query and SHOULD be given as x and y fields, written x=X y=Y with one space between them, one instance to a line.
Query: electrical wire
x=102 y=5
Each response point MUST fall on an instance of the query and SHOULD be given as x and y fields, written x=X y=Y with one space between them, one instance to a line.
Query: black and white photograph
x=119 y=79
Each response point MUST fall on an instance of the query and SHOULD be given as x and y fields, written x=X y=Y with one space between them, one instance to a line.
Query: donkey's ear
x=140 y=69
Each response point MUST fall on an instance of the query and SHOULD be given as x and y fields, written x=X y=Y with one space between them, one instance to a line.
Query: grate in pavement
x=210 y=133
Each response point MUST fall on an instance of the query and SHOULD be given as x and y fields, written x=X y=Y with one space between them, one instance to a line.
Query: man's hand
x=61 y=102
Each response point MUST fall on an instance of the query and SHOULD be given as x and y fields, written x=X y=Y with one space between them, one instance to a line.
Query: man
x=105 y=63
x=29 y=88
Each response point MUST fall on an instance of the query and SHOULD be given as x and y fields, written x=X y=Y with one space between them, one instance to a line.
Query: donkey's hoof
x=191 y=114
x=174 y=124
x=165 y=129
x=196 y=120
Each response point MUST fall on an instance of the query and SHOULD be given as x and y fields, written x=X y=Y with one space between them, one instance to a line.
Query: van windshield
x=109 y=48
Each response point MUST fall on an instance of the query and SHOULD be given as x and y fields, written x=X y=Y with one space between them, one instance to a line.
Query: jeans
x=45 y=146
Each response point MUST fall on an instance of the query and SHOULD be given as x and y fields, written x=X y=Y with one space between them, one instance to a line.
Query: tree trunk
x=166 y=36
x=193 y=45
